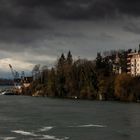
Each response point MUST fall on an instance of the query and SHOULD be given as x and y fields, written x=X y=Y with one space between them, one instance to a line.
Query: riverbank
x=77 y=98
x=86 y=79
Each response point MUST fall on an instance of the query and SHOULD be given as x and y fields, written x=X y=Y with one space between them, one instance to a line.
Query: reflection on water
x=37 y=135
x=89 y=125
x=47 y=128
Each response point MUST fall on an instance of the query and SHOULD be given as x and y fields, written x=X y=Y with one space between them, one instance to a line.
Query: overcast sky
x=38 y=31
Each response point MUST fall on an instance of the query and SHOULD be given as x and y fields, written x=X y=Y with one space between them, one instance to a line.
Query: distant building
x=26 y=81
x=116 y=66
x=117 y=69
x=133 y=63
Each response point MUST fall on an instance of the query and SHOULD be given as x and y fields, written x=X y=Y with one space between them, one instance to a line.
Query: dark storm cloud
x=35 y=13
x=18 y=15
x=83 y=9
x=24 y=12
x=26 y=21
x=129 y=7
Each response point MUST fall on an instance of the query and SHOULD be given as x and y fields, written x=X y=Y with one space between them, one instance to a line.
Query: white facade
x=135 y=65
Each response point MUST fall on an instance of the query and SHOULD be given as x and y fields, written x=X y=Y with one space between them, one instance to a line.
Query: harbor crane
x=20 y=81
x=16 y=78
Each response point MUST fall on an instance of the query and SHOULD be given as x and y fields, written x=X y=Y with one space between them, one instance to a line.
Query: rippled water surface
x=31 y=118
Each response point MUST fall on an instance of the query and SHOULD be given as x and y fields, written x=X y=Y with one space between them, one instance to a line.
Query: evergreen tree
x=61 y=78
x=61 y=61
x=99 y=61
x=69 y=58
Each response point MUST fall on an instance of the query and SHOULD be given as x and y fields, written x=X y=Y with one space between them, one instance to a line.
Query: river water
x=36 y=118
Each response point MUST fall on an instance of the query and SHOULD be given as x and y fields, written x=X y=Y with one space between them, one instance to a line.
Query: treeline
x=97 y=79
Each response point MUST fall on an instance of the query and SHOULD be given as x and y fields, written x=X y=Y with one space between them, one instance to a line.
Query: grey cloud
x=104 y=36
x=132 y=27
x=21 y=36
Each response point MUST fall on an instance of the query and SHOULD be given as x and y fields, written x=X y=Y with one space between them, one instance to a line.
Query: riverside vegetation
x=87 y=79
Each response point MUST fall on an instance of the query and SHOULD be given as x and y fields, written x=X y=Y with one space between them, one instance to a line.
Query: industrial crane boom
x=12 y=71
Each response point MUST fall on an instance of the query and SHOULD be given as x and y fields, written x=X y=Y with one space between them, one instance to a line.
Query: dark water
x=30 y=118
x=5 y=87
